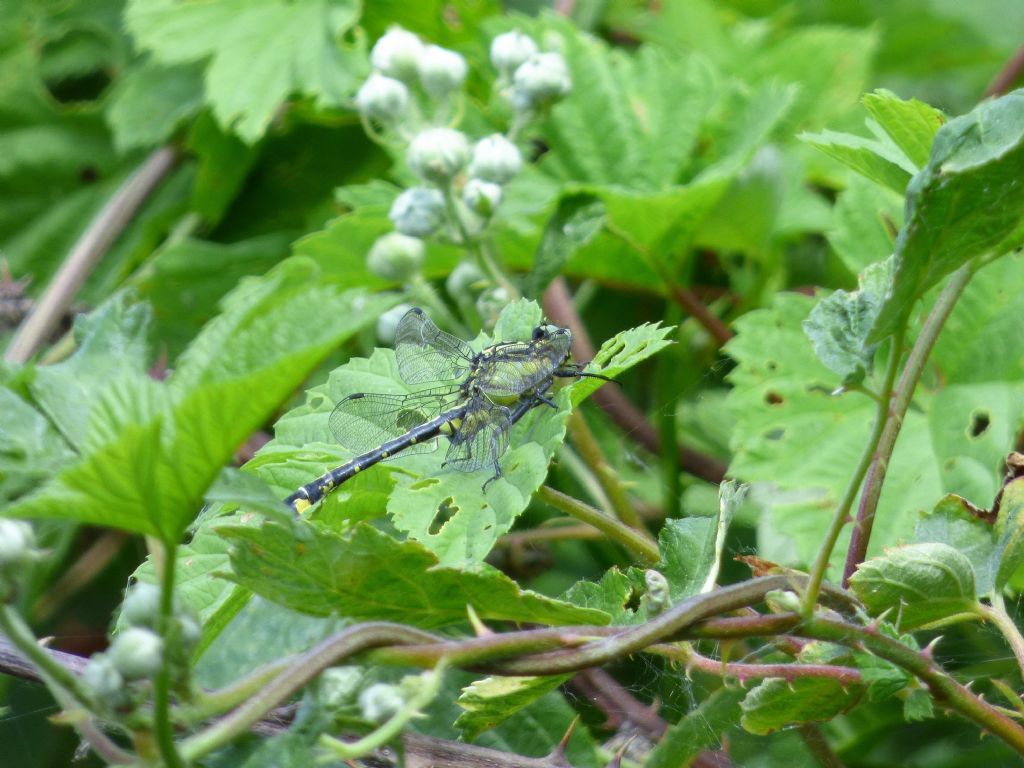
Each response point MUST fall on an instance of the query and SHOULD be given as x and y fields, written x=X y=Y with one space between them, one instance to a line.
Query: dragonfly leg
x=545 y=400
x=497 y=464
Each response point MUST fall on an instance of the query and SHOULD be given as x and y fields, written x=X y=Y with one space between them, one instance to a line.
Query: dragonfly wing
x=481 y=439
x=425 y=353
x=362 y=422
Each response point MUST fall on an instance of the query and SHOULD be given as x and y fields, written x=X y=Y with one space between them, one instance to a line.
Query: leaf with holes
x=797 y=442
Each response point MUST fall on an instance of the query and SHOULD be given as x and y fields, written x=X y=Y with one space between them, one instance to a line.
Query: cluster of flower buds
x=136 y=653
x=404 y=67
x=532 y=79
x=461 y=183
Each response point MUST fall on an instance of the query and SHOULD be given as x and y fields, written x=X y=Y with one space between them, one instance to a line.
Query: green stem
x=842 y=513
x=294 y=676
x=616 y=530
x=999 y=616
x=162 y=684
x=162 y=727
x=209 y=704
x=898 y=404
x=53 y=673
x=591 y=453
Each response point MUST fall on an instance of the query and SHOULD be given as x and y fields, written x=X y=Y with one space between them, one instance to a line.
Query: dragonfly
x=479 y=397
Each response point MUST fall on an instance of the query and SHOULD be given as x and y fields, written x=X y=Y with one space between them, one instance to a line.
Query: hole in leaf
x=980 y=423
x=771 y=366
x=446 y=510
x=88 y=174
x=775 y=434
x=426 y=482
x=773 y=398
x=632 y=603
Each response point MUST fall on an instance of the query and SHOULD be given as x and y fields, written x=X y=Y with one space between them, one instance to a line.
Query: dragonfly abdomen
x=311 y=493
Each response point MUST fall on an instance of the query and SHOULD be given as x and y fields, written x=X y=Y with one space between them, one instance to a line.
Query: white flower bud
x=418 y=211
x=380 y=701
x=387 y=324
x=383 y=98
x=142 y=605
x=396 y=54
x=136 y=653
x=464 y=280
x=490 y=303
x=496 y=159
x=17 y=543
x=107 y=684
x=438 y=154
x=395 y=256
x=542 y=78
x=441 y=71
x=481 y=197
x=509 y=50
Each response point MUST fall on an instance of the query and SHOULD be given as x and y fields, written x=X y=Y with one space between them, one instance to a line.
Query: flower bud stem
x=476 y=248
x=422 y=293
x=393 y=727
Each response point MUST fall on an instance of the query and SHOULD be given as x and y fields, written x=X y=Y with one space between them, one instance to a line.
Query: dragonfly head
x=548 y=331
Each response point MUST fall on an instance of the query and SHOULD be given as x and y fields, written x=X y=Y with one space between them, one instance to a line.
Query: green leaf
x=701 y=728
x=631 y=119
x=839 y=325
x=368 y=575
x=185 y=281
x=617 y=594
x=150 y=100
x=921 y=584
x=224 y=162
x=152 y=450
x=918 y=706
x=776 y=703
x=1009 y=532
x=574 y=223
x=866 y=219
x=109 y=342
x=258 y=53
x=880 y=161
x=30 y=448
x=953 y=522
x=910 y=123
x=965 y=203
x=490 y=701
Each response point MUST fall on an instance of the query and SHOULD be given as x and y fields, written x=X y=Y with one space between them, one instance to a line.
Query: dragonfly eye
x=539 y=333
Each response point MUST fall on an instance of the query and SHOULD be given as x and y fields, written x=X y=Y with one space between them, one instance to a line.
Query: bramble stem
x=842 y=513
x=631 y=539
x=897 y=409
